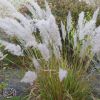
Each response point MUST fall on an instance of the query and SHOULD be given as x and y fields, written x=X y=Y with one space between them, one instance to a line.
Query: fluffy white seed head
x=63 y=31
x=69 y=22
x=35 y=9
x=48 y=10
x=75 y=39
x=81 y=22
x=62 y=74
x=44 y=51
x=12 y=48
x=29 y=77
x=13 y=28
x=49 y=31
x=42 y=25
x=6 y=8
x=95 y=15
x=88 y=27
x=96 y=41
x=36 y=63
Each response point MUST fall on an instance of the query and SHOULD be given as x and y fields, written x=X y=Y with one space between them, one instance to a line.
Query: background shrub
x=60 y=9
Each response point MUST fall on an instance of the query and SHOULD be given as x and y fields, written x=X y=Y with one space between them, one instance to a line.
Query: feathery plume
x=29 y=77
x=88 y=27
x=6 y=8
x=44 y=51
x=63 y=31
x=95 y=15
x=69 y=22
x=62 y=74
x=96 y=41
x=81 y=23
x=48 y=10
x=12 y=48
x=51 y=30
x=13 y=28
x=75 y=39
x=36 y=63
x=35 y=9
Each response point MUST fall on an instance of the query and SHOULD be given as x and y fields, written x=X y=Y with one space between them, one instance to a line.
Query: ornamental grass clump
x=58 y=57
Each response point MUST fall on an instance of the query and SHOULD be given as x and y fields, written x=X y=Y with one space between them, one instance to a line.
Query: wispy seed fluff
x=6 y=8
x=12 y=48
x=62 y=74
x=69 y=22
x=96 y=41
x=81 y=23
x=44 y=51
x=29 y=77
x=87 y=27
x=35 y=63
x=63 y=30
x=49 y=31
x=13 y=28
x=37 y=12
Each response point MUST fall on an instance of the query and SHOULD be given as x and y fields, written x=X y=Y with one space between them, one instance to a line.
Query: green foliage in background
x=60 y=9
